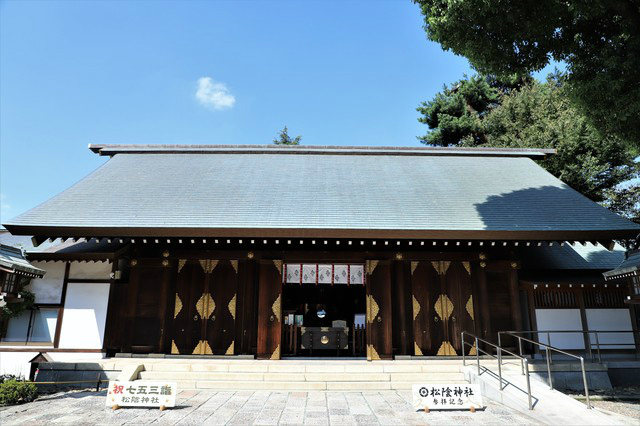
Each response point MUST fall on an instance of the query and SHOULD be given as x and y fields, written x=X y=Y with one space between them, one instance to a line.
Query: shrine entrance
x=205 y=307
x=443 y=306
x=324 y=310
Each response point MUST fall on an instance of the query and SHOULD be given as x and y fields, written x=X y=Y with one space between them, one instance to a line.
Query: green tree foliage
x=455 y=113
x=625 y=200
x=540 y=115
x=598 y=40
x=284 y=138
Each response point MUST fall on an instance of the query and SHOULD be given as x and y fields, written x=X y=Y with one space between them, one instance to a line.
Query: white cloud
x=213 y=94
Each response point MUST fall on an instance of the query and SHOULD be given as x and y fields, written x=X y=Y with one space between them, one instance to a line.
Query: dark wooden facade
x=175 y=300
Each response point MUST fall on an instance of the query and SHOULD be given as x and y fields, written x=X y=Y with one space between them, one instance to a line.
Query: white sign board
x=141 y=393
x=446 y=397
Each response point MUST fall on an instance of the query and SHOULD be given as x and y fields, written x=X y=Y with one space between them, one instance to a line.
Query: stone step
x=300 y=386
x=300 y=377
x=305 y=368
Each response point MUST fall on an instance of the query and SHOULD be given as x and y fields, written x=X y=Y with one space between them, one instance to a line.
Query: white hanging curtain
x=314 y=273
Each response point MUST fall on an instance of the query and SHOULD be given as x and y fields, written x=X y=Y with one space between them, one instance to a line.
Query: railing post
x=549 y=360
x=499 y=338
x=521 y=357
x=526 y=363
x=589 y=343
x=584 y=379
x=500 y=366
x=478 y=355
x=598 y=346
x=549 y=367
x=463 y=357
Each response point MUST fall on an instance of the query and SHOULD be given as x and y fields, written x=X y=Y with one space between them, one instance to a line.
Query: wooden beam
x=63 y=298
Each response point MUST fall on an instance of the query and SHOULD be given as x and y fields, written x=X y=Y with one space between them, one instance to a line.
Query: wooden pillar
x=246 y=307
x=109 y=329
x=484 y=303
x=583 y=319
x=270 y=309
x=63 y=298
x=165 y=307
x=132 y=301
x=379 y=310
x=401 y=312
x=514 y=294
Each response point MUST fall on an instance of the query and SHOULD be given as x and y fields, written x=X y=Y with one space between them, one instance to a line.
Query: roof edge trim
x=111 y=150
x=44 y=232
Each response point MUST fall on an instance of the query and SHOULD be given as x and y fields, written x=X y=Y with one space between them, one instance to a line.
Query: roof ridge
x=113 y=149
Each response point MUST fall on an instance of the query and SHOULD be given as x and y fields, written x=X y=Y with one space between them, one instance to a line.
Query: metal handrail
x=551 y=348
x=584 y=332
x=524 y=362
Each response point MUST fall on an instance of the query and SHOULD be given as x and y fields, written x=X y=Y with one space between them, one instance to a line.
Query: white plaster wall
x=611 y=319
x=16 y=363
x=90 y=270
x=49 y=288
x=85 y=312
x=560 y=319
x=75 y=356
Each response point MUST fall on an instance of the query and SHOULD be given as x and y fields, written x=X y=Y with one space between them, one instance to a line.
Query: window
x=635 y=282
x=9 y=283
x=37 y=325
x=12 y=283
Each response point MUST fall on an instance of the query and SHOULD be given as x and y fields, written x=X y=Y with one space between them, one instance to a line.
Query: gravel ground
x=625 y=408
x=624 y=401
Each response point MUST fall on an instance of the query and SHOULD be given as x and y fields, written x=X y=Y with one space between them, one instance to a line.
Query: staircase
x=302 y=375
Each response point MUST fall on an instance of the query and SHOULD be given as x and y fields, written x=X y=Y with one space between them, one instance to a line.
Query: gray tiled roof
x=630 y=266
x=325 y=190
x=12 y=259
x=577 y=256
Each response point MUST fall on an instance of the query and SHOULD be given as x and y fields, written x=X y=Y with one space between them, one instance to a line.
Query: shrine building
x=307 y=251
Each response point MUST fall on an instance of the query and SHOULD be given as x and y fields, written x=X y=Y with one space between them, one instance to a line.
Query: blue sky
x=203 y=72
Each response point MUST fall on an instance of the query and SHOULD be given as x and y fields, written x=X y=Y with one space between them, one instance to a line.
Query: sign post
x=141 y=393
x=446 y=397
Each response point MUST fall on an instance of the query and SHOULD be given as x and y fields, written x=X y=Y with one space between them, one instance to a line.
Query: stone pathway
x=257 y=408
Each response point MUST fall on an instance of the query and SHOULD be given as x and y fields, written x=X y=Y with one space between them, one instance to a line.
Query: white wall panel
x=560 y=319
x=16 y=363
x=90 y=270
x=85 y=312
x=49 y=288
x=611 y=319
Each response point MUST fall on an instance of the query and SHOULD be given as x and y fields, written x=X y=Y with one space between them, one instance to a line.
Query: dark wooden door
x=378 y=286
x=145 y=307
x=189 y=308
x=270 y=309
x=426 y=285
x=222 y=284
x=204 y=313
x=459 y=290
x=442 y=306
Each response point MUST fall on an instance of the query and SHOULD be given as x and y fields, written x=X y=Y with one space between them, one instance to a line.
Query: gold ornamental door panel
x=205 y=307
x=442 y=306
x=378 y=310
x=190 y=305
